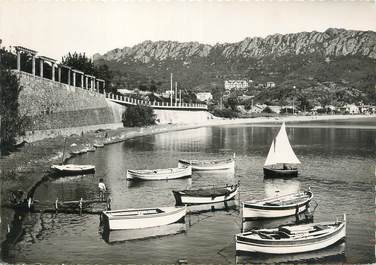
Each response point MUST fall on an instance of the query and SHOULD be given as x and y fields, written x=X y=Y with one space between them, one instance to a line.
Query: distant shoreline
x=277 y=120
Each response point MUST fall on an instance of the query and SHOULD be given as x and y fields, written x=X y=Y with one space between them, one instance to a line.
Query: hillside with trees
x=332 y=67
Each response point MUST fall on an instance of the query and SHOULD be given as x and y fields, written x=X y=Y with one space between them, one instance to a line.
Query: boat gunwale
x=163 y=213
x=234 y=188
x=196 y=162
x=175 y=170
x=257 y=205
x=297 y=241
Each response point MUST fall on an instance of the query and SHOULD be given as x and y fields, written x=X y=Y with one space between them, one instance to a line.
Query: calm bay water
x=338 y=163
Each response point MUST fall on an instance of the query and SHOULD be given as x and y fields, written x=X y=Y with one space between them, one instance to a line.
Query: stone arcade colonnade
x=86 y=81
x=78 y=78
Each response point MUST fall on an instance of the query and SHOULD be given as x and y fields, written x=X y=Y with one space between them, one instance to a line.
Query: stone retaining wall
x=52 y=105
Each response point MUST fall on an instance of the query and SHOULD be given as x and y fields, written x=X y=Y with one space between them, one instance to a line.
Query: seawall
x=54 y=105
x=55 y=109
x=182 y=116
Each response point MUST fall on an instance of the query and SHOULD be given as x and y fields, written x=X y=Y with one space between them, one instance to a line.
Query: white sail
x=280 y=151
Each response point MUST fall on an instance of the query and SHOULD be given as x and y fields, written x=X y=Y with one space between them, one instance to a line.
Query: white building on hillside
x=168 y=93
x=204 y=96
x=351 y=108
x=237 y=84
x=126 y=91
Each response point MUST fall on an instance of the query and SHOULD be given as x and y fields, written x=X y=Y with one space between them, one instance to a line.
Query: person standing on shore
x=102 y=189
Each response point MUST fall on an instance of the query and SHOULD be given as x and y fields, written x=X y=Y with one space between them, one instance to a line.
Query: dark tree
x=81 y=62
x=138 y=116
x=11 y=124
x=267 y=110
x=232 y=102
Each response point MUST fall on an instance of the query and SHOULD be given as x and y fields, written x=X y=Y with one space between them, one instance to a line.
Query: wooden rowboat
x=143 y=218
x=205 y=196
x=292 y=239
x=280 y=206
x=206 y=165
x=72 y=169
x=159 y=174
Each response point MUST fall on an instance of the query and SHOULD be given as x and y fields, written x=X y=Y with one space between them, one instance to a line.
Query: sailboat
x=72 y=169
x=281 y=153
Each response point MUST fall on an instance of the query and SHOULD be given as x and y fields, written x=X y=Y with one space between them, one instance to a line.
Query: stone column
x=93 y=82
x=41 y=67
x=86 y=82
x=53 y=71
x=69 y=78
x=74 y=78
x=82 y=80
x=18 y=60
x=33 y=65
x=59 y=73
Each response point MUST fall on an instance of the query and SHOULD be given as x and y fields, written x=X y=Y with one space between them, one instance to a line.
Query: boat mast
x=62 y=159
x=171 y=90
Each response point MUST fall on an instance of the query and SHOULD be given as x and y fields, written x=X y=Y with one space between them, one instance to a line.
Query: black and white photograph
x=187 y=132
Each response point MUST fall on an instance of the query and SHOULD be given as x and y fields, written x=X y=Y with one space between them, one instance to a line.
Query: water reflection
x=216 y=174
x=230 y=205
x=279 y=187
x=120 y=236
x=161 y=184
x=273 y=222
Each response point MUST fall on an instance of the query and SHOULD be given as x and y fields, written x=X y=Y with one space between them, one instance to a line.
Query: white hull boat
x=292 y=239
x=159 y=174
x=207 y=165
x=280 y=206
x=205 y=196
x=143 y=218
x=72 y=169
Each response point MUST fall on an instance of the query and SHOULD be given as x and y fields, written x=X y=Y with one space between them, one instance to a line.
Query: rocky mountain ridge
x=332 y=42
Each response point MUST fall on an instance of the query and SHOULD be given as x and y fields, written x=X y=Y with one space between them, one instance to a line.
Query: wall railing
x=124 y=99
x=154 y=104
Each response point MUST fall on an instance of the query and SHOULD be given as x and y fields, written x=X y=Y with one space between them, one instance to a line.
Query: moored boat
x=279 y=206
x=98 y=145
x=90 y=149
x=206 y=165
x=143 y=217
x=72 y=169
x=281 y=153
x=159 y=174
x=292 y=239
x=205 y=195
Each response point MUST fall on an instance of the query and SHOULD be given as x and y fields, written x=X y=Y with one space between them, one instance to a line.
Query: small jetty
x=94 y=206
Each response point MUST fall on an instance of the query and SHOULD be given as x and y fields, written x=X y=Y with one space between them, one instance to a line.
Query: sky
x=54 y=28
